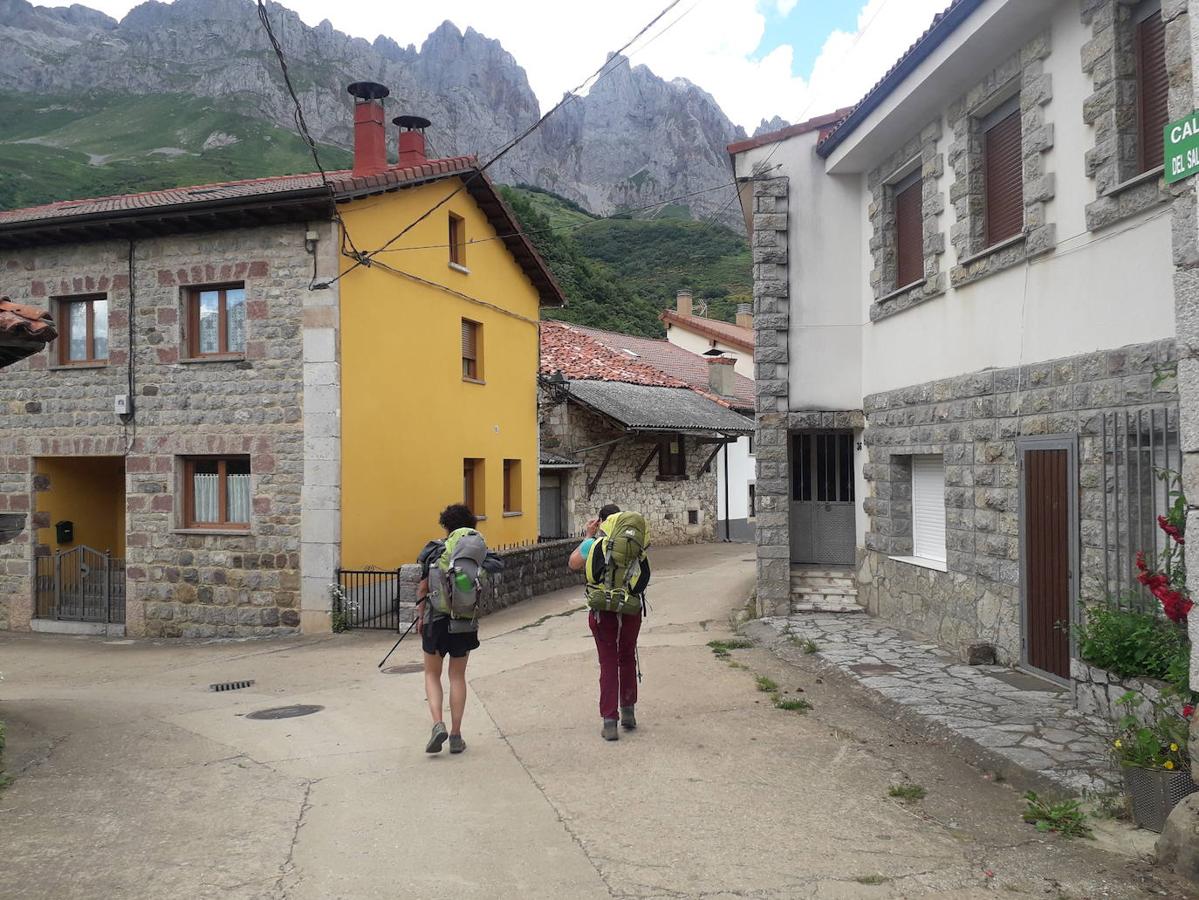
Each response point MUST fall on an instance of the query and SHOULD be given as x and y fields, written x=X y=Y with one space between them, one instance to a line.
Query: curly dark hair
x=610 y=509
x=457 y=515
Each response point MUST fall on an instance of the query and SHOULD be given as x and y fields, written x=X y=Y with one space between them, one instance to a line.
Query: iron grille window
x=472 y=356
x=823 y=468
x=457 y=240
x=672 y=460
x=216 y=319
x=1153 y=86
x=512 y=486
x=909 y=231
x=216 y=492
x=753 y=502
x=1003 y=173
x=84 y=325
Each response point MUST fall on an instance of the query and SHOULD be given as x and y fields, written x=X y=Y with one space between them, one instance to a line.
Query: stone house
x=224 y=422
x=617 y=427
x=965 y=323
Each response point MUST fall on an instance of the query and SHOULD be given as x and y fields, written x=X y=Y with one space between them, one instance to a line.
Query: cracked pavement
x=135 y=781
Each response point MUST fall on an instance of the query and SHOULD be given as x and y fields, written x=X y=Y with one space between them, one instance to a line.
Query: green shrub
x=1136 y=644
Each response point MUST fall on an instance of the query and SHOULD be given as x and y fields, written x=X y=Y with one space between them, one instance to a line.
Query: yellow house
x=439 y=349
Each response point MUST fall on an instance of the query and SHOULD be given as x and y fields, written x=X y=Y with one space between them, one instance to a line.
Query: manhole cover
x=230 y=685
x=285 y=712
x=867 y=669
x=406 y=669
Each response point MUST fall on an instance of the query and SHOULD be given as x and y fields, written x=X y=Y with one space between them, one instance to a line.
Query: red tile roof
x=343 y=182
x=672 y=359
x=24 y=330
x=942 y=26
x=823 y=123
x=741 y=338
x=577 y=355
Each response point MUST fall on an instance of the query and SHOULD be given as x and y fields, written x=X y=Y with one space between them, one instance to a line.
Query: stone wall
x=180 y=583
x=1096 y=692
x=568 y=429
x=974 y=421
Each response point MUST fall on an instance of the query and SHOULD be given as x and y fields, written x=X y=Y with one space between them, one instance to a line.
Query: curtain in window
x=210 y=318
x=207 y=502
x=235 y=313
x=78 y=331
x=239 y=498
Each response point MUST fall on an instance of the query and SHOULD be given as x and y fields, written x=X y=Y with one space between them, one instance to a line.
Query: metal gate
x=80 y=585
x=822 y=498
x=369 y=598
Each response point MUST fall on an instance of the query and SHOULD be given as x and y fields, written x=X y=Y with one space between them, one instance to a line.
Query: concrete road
x=133 y=780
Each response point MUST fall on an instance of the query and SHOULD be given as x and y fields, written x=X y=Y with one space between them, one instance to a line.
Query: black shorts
x=436 y=638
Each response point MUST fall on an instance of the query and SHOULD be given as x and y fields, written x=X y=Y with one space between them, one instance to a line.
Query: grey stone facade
x=772 y=323
x=180 y=582
x=567 y=429
x=1097 y=692
x=919 y=154
x=1023 y=73
x=974 y=421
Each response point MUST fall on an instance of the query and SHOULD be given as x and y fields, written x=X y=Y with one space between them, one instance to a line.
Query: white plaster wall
x=741 y=473
x=698 y=343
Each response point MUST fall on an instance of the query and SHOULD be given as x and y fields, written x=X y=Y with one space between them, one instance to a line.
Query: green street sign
x=1182 y=148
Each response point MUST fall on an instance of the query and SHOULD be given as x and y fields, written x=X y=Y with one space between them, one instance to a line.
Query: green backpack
x=617 y=568
x=456 y=582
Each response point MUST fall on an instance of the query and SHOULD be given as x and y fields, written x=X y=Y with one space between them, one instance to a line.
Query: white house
x=965 y=322
x=736 y=473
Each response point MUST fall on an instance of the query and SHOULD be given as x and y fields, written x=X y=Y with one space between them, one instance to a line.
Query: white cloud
x=708 y=42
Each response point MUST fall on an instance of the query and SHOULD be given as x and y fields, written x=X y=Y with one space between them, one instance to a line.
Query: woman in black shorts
x=437 y=641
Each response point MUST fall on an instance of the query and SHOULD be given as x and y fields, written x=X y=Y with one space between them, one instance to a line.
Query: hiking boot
x=628 y=721
x=457 y=745
x=610 y=733
x=437 y=738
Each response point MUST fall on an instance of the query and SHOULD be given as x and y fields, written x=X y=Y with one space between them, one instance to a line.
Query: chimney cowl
x=683 y=303
x=366 y=91
x=370 y=135
x=745 y=315
x=411 y=141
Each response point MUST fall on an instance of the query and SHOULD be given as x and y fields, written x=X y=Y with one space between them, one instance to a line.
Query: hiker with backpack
x=617 y=570
x=452 y=575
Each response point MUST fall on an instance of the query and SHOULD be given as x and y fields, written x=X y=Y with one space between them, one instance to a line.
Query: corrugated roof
x=674 y=361
x=554 y=461
x=741 y=338
x=640 y=407
x=24 y=330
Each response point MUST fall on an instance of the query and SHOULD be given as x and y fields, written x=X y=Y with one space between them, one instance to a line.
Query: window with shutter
x=1003 y=177
x=1153 y=87
x=472 y=357
x=909 y=231
x=928 y=508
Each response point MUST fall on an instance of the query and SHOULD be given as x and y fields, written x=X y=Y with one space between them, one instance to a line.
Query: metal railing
x=80 y=585
x=369 y=598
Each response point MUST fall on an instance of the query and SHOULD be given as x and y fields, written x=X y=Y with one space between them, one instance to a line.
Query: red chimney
x=370 y=138
x=412 y=140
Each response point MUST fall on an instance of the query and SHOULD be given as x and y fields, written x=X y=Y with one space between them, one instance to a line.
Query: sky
x=758 y=58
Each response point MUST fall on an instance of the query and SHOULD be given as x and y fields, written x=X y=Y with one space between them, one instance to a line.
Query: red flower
x=1170 y=529
x=1188 y=711
x=1141 y=561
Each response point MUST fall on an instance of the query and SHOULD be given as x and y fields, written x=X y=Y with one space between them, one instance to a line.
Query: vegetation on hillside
x=59 y=148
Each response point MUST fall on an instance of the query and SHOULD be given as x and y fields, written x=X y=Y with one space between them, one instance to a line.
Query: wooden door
x=1048 y=531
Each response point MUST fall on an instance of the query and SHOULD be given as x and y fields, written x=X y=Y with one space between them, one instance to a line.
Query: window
x=822 y=468
x=1003 y=173
x=83 y=323
x=928 y=508
x=672 y=459
x=217 y=492
x=216 y=319
x=512 y=487
x=752 y=509
x=1152 y=84
x=472 y=350
x=457 y=240
x=693 y=517
x=473 y=486
x=909 y=230
x=751 y=445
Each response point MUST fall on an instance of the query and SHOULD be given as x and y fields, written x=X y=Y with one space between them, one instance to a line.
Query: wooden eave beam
x=704 y=469
x=594 y=482
x=649 y=459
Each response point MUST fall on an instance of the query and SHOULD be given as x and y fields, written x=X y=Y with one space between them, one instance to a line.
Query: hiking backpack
x=456 y=581
x=617 y=568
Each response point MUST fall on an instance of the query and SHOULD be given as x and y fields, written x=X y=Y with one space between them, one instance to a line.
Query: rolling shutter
x=1003 y=170
x=470 y=349
x=909 y=234
x=928 y=507
x=1153 y=90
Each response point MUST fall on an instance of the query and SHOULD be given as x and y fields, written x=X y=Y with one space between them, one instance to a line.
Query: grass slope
x=58 y=148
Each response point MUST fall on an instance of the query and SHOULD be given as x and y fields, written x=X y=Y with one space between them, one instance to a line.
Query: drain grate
x=406 y=669
x=285 y=712
x=230 y=686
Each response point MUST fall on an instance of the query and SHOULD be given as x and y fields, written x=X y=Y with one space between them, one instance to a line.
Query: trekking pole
x=397 y=643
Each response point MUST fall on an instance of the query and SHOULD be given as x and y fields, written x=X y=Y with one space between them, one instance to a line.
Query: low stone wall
x=1097 y=690
x=528 y=572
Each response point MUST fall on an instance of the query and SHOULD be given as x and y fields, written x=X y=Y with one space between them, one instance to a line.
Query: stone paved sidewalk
x=1037 y=730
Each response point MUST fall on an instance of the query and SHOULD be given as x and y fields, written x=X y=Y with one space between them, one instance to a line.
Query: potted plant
x=1154 y=758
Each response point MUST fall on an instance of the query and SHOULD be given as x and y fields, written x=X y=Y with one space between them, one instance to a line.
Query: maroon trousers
x=616 y=641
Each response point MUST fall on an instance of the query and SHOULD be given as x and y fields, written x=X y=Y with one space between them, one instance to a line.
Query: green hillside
x=58 y=148
x=620 y=273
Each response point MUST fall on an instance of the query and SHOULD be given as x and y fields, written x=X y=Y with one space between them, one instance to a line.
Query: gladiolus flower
x=1165 y=525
